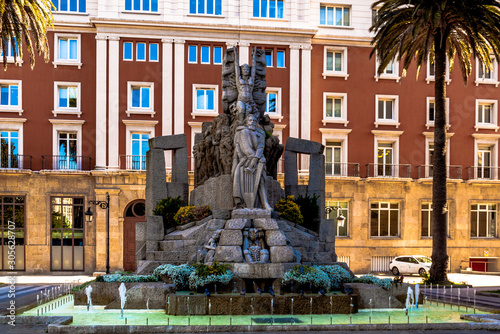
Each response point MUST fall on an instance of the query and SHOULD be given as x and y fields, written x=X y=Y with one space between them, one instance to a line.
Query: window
x=10 y=49
x=67 y=154
x=67 y=233
x=153 y=52
x=484 y=162
x=391 y=71
x=12 y=213
x=431 y=71
x=9 y=95
x=72 y=6
x=205 y=55
x=9 y=149
x=333 y=158
x=209 y=7
x=268 y=8
x=140 y=146
x=335 y=16
x=141 y=51
x=271 y=100
x=205 y=100
x=486 y=114
x=218 y=55
x=67 y=98
x=280 y=59
x=483 y=221
x=431 y=112
x=67 y=50
x=426 y=220
x=335 y=62
x=386 y=108
x=384 y=221
x=192 y=54
x=335 y=108
x=430 y=159
x=385 y=161
x=140 y=98
x=141 y=6
x=269 y=58
x=485 y=75
x=341 y=231
x=128 y=48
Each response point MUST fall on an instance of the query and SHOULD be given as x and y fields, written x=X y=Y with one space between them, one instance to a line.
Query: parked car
x=410 y=264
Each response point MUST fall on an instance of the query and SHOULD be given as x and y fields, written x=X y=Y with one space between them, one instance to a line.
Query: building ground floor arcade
x=384 y=218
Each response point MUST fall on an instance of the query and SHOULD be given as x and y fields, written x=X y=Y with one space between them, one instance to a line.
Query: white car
x=410 y=264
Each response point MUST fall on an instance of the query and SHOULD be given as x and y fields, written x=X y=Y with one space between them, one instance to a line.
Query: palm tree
x=25 y=22
x=421 y=31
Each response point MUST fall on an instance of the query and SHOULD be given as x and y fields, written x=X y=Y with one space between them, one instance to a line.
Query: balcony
x=345 y=169
x=452 y=172
x=15 y=161
x=388 y=171
x=482 y=173
x=133 y=162
x=66 y=162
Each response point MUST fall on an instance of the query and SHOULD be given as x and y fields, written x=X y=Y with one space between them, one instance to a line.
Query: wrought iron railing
x=452 y=172
x=388 y=170
x=342 y=169
x=66 y=162
x=482 y=173
x=133 y=162
x=15 y=161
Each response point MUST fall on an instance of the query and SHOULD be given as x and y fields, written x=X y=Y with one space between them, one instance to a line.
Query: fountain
x=88 y=291
x=122 y=290
x=409 y=300
x=417 y=292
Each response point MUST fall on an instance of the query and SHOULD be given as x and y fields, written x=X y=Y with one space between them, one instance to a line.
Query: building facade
x=75 y=129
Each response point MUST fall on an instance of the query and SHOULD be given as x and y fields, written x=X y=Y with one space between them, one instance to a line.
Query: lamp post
x=340 y=217
x=88 y=213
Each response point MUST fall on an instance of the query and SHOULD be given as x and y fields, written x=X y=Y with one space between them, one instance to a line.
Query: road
x=25 y=294
x=463 y=296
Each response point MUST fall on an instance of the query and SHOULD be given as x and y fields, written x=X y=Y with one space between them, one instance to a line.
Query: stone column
x=305 y=113
x=167 y=113
x=294 y=90
x=243 y=52
x=156 y=183
x=179 y=86
x=101 y=97
x=113 y=103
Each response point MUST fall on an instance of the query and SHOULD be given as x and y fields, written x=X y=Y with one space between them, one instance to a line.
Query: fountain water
x=311 y=306
x=458 y=298
x=251 y=306
x=451 y=294
x=410 y=300
x=147 y=304
x=417 y=292
x=331 y=305
x=123 y=299
x=292 y=308
x=189 y=311
x=209 y=307
x=474 y=301
x=88 y=291
x=389 y=302
x=371 y=307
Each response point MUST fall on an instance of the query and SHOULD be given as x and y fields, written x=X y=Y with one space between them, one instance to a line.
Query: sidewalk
x=45 y=279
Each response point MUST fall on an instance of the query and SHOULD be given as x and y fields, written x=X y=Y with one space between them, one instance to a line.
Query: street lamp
x=89 y=214
x=340 y=217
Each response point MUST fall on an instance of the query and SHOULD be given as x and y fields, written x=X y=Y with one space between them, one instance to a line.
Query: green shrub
x=289 y=210
x=337 y=276
x=384 y=283
x=207 y=275
x=184 y=215
x=202 y=212
x=83 y=286
x=127 y=278
x=167 y=208
x=309 y=209
x=178 y=274
x=311 y=276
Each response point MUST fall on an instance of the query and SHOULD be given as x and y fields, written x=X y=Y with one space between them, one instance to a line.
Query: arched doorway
x=134 y=212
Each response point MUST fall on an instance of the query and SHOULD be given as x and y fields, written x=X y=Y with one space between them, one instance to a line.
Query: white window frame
x=197 y=112
x=137 y=126
x=388 y=76
x=68 y=111
x=326 y=25
x=145 y=51
x=395 y=111
x=209 y=54
x=489 y=140
x=57 y=61
x=15 y=124
x=428 y=211
x=139 y=110
x=157 y=51
x=196 y=54
x=384 y=136
x=337 y=135
x=10 y=59
x=132 y=51
x=389 y=202
x=428 y=122
x=66 y=125
x=430 y=77
x=343 y=118
x=494 y=74
x=493 y=125
x=19 y=108
x=276 y=115
x=429 y=138
x=206 y=14
x=487 y=225
x=268 y=17
x=343 y=73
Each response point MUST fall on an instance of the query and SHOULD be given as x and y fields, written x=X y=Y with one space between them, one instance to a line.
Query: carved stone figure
x=259 y=90
x=226 y=150
x=249 y=164
x=229 y=90
x=211 y=245
x=273 y=149
x=200 y=163
x=253 y=246
x=245 y=80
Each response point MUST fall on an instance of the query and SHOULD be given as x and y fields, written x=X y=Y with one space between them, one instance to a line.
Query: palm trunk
x=439 y=230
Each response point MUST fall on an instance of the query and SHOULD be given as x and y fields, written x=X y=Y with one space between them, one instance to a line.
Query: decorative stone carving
x=211 y=246
x=253 y=246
